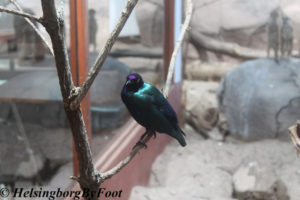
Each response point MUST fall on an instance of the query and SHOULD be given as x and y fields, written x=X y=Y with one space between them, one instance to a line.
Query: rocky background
x=237 y=111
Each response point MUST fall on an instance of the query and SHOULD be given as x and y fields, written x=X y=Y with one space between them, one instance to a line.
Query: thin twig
x=80 y=92
x=22 y=131
x=189 y=9
x=123 y=163
x=34 y=27
x=20 y=13
x=138 y=147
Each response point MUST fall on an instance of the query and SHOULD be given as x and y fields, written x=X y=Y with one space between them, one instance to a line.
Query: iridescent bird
x=150 y=108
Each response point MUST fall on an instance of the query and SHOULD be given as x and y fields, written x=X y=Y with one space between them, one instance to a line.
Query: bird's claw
x=140 y=143
x=154 y=135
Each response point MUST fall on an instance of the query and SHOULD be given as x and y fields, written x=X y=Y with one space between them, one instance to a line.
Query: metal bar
x=168 y=34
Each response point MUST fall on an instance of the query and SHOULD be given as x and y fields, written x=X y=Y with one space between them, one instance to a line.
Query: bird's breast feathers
x=141 y=97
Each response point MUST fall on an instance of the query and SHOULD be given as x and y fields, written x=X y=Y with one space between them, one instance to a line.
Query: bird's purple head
x=134 y=82
x=132 y=76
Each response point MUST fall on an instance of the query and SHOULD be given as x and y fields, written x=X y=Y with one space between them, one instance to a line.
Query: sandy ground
x=204 y=168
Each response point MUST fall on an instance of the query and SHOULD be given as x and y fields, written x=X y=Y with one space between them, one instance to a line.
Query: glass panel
x=35 y=139
x=130 y=53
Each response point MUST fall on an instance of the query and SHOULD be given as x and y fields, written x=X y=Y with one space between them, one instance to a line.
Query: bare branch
x=123 y=163
x=89 y=176
x=189 y=9
x=34 y=27
x=149 y=134
x=82 y=91
x=295 y=136
x=24 y=137
x=20 y=13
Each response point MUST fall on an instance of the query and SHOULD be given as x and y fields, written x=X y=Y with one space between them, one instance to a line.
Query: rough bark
x=89 y=177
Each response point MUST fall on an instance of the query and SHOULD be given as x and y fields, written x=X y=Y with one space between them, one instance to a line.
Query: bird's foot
x=154 y=135
x=147 y=132
x=140 y=142
x=143 y=136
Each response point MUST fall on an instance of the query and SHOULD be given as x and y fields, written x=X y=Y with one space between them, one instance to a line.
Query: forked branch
x=28 y=18
x=34 y=27
x=21 y=13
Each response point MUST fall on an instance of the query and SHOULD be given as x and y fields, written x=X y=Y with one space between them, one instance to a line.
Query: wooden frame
x=80 y=60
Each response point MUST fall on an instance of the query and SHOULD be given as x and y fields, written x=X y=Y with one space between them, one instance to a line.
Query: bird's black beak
x=128 y=82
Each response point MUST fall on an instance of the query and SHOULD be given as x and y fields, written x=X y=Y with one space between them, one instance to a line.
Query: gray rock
x=35 y=154
x=260 y=98
x=199 y=100
x=150 y=18
x=142 y=64
x=253 y=177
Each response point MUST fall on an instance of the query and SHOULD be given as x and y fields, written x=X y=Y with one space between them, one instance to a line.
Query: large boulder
x=260 y=98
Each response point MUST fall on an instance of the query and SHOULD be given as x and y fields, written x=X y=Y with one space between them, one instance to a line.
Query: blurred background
x=239 y=78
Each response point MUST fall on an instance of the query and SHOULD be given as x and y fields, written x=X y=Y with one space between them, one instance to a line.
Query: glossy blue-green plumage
x=150 y=108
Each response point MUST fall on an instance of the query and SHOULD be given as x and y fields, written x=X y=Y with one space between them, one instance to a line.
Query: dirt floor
x=210 y=170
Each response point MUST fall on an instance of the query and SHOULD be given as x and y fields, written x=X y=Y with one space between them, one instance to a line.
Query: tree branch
x=123 y=163
x=189 y=10
x=34 y=27
x=89 y=176
x=83 y=89
x=20 y=13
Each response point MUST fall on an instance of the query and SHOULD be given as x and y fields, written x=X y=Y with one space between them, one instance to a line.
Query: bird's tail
x=179 y=136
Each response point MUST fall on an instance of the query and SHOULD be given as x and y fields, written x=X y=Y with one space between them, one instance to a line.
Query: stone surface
x=260 y=98
x=240 y=21
x=277 y=191
x=253 y=177
x=25 y=156
x=150 y=15
x=149 y=68
x=200 y=105
x=205 y=169
x=237 y=21
x=195 y=91
x=208 y=71
x=142 y=64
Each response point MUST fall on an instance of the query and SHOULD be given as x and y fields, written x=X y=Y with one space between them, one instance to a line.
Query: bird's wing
x=162 y=104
